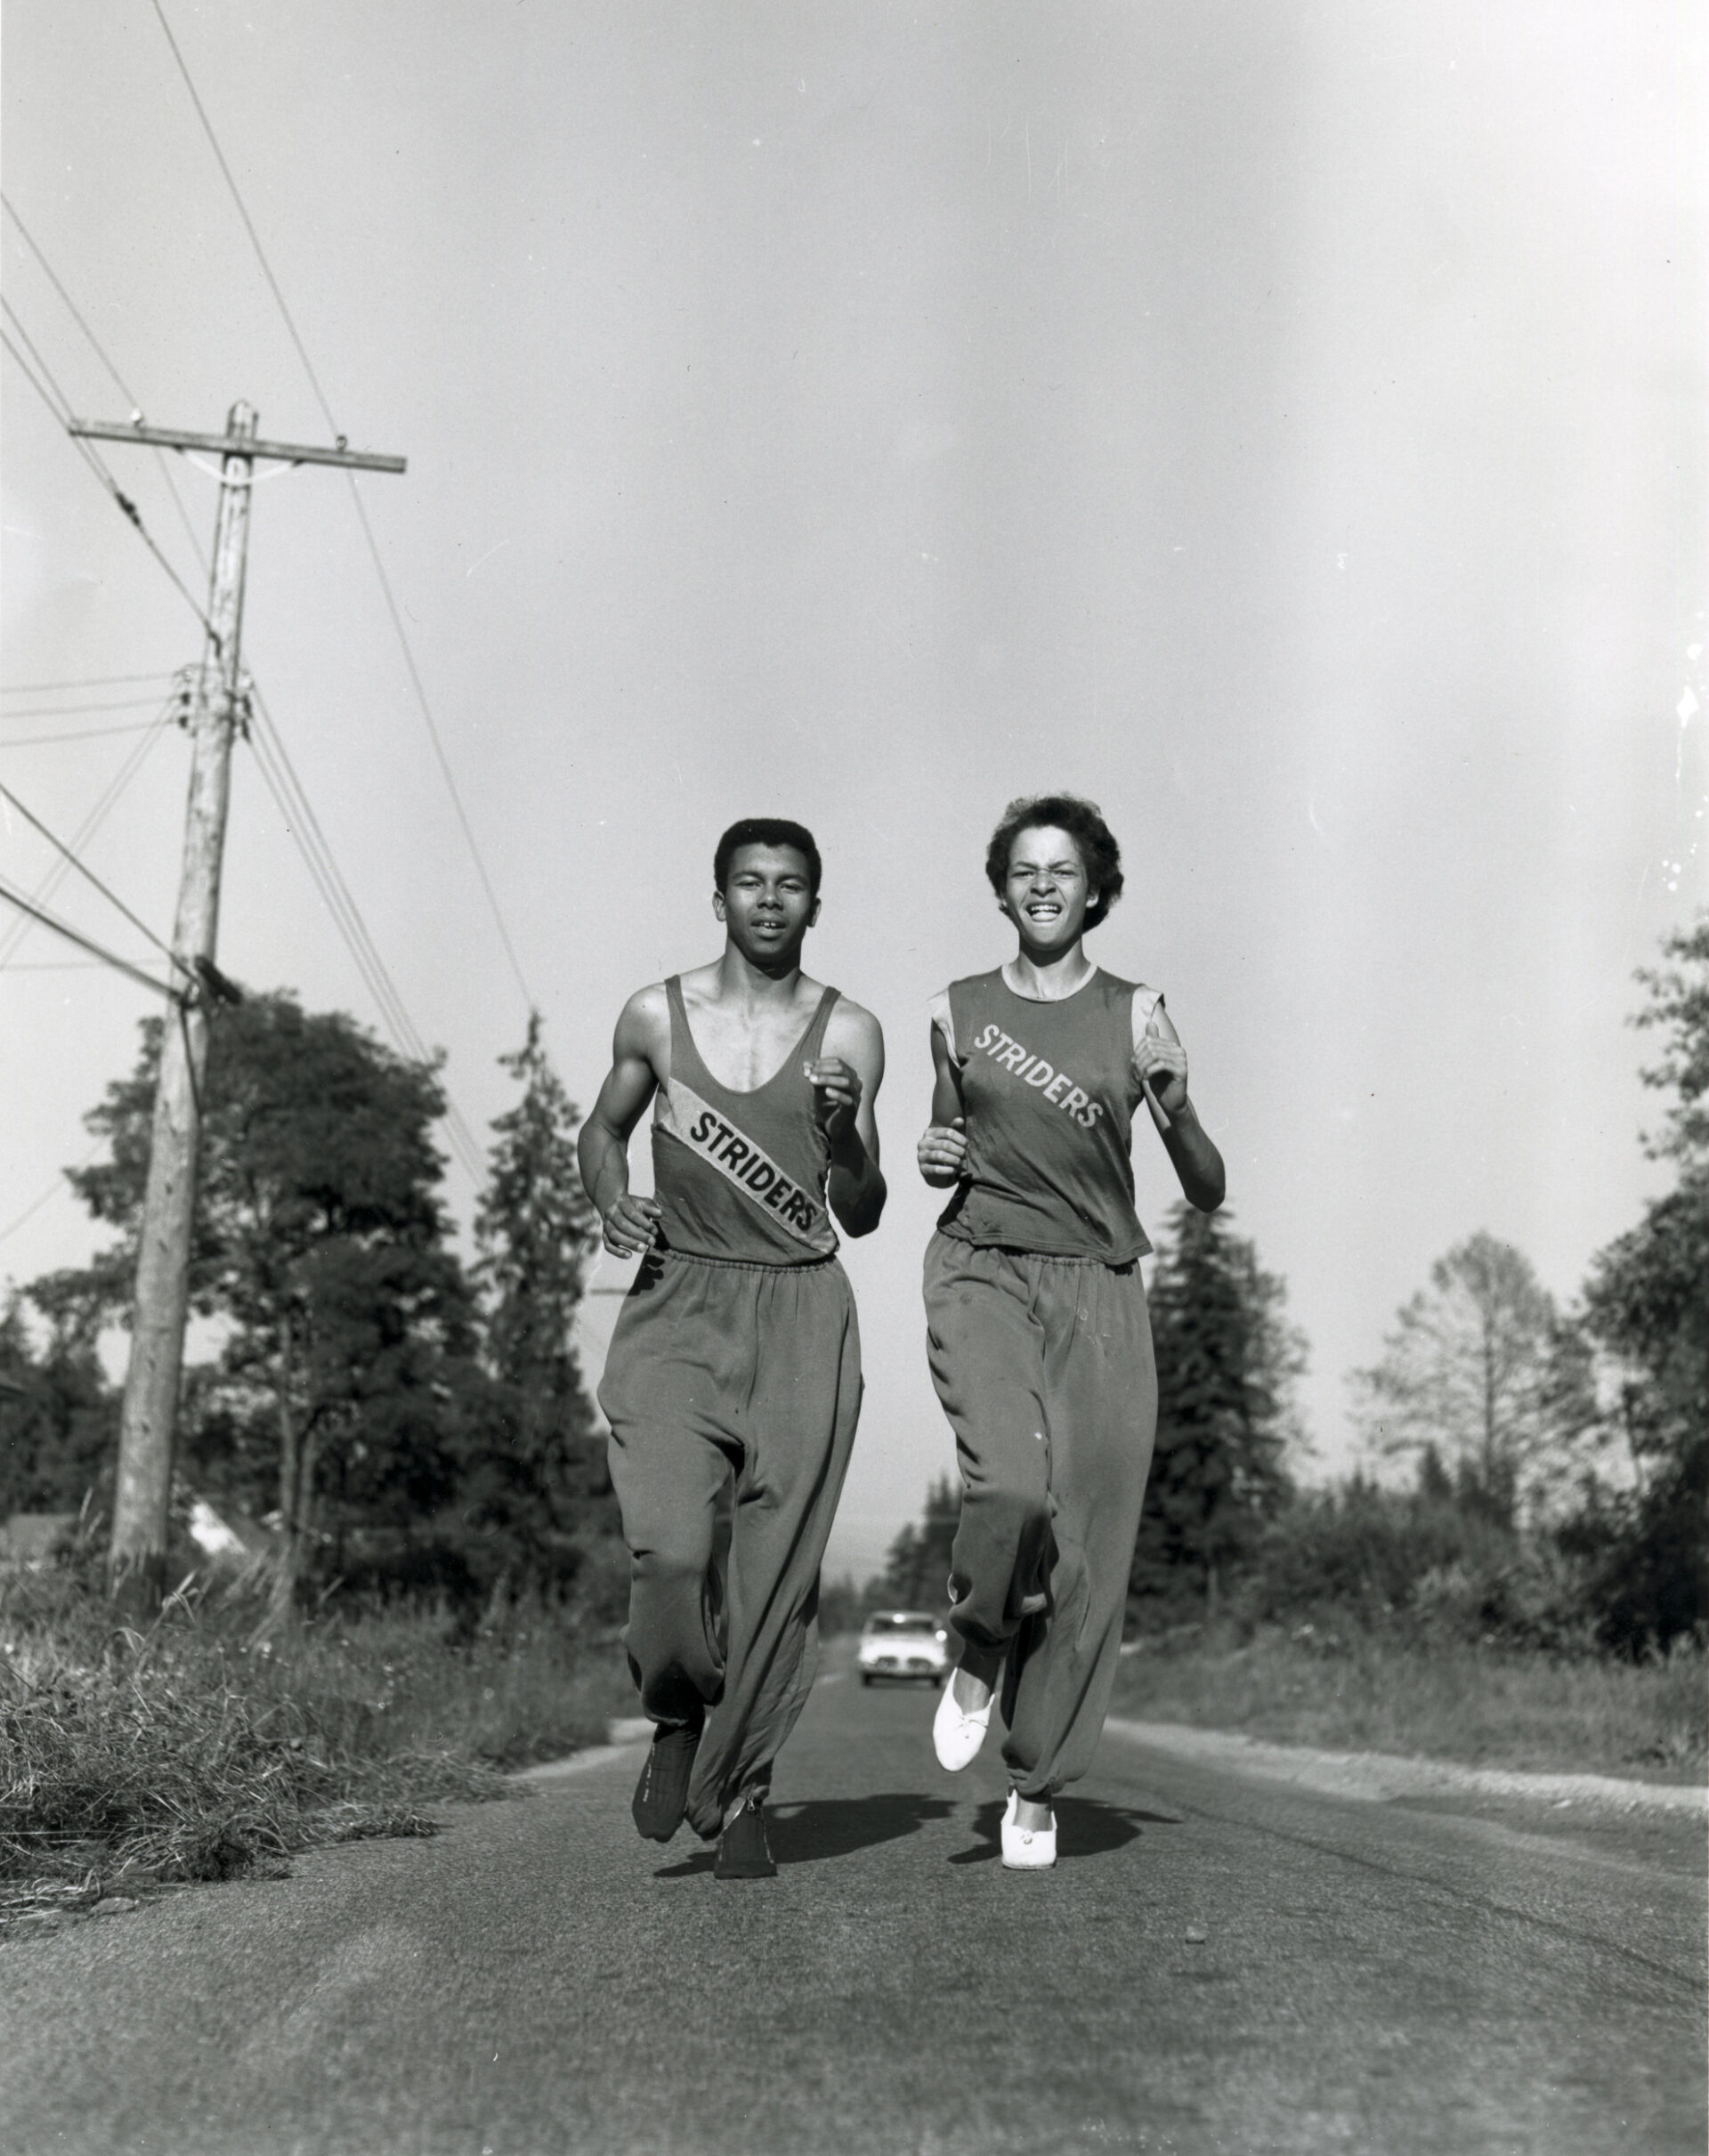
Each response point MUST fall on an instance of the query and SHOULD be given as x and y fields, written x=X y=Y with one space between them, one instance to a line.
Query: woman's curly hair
x=1099 y=855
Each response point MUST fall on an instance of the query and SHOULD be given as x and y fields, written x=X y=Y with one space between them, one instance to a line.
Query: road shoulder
x=1383 y=1777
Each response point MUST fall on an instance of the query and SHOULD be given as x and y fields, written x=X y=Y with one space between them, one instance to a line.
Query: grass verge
x=1481 y=1705
x=128 y=1761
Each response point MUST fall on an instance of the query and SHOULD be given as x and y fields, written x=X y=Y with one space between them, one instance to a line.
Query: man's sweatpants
x=717 y=1368
x=1044 y=1368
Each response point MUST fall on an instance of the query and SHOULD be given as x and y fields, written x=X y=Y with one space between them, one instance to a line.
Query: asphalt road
x=1377 y=1978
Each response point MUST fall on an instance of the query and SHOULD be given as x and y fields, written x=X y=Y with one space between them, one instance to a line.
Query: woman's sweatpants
x=716 y=1369
x=1044 y=1368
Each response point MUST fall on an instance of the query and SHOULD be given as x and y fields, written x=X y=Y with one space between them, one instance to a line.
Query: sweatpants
x=1044 y=1368
x=718 y=1369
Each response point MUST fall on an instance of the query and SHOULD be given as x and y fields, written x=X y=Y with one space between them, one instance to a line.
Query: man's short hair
x=1100 y=856
x=767 y=831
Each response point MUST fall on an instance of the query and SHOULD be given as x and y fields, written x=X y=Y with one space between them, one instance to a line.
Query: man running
x=737 y=1352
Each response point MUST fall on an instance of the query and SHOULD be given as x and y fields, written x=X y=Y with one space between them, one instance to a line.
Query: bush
x=1435 y=1563
x=1363 y=1549
x=1442 y=1697
x=199 y=1752
x=1645 y=1560
x=1527 y=1596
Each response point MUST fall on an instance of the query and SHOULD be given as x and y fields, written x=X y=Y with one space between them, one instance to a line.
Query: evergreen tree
x=536 y=1231
x=1647 y=1311
x=917 y=1570
x=1227 y=1363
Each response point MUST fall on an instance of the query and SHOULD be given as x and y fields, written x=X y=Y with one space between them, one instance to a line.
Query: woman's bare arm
x=1160 y=1063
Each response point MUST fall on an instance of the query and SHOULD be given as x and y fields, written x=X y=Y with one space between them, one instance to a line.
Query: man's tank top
x=1048 y=1094
x=741 y=1176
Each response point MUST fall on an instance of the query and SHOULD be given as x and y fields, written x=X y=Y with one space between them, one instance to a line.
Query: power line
x=53 y=1190
x=75 y=936
x=29 y=1212
x=125 y=389
x=59 y=404
x=439 y=749
x=88 y=681
x=87 y=830
x=86 y=733
x=76 y=710
x=248 y=226
x=361 y=512
x=99 y=351
x=280 y=775
x=89 y=875
x=271 y=754
x=56 y=403
x=291 y=799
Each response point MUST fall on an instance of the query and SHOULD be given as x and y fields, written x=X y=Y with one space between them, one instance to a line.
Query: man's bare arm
x=942 y=1151
x=845 y=1089
x=629 y=1223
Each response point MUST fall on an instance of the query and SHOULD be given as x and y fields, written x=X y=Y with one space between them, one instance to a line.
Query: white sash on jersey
x=704 y=1130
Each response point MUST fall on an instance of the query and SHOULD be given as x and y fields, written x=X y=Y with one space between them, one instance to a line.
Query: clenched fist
x=943 y=1153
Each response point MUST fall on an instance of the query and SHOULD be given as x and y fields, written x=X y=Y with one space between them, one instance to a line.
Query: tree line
x=395 y=1416
x=1557 y=1460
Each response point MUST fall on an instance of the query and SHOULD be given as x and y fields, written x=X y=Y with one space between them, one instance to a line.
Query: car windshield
x=895 y=1621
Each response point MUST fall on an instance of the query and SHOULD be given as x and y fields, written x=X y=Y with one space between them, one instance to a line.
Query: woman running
x=1037 y=1332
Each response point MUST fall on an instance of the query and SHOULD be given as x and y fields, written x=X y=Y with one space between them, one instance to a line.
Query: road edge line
x=1379 y=1777
x=623 y=1737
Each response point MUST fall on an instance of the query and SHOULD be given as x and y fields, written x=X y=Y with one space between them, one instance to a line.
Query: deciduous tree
x=320 y=1247
x=1468 y=1369
x=58 y=1413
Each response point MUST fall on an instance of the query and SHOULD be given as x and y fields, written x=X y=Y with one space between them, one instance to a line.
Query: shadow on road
x=702 y=1861
x=838 y=1826
x=1084 y=1828
x=809 y=1833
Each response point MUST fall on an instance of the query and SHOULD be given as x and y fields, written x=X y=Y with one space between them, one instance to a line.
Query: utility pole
x=137 y=1558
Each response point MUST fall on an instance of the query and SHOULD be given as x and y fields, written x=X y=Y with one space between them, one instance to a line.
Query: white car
x=907 y=1644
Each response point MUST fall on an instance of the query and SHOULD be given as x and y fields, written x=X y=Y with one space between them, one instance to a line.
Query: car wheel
x=866 y=1677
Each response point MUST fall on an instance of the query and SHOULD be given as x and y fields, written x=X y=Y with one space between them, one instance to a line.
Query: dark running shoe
x=661 y=1794
x=743 y=1851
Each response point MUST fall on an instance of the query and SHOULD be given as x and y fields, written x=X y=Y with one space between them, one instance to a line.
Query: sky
x=1279 y=420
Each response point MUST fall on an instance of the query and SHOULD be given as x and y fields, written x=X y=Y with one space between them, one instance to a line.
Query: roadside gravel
x=1381 y=1776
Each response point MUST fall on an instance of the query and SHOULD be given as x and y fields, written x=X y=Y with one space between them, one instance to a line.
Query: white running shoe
x=1027 y=1848
x=957 y=1732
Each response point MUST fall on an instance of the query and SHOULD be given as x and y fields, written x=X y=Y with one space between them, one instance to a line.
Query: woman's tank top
x=1049 y=1093
x=741 y=1176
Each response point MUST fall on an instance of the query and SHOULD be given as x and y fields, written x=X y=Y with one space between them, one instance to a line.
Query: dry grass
x=1485 y=1707
x=193 y=1753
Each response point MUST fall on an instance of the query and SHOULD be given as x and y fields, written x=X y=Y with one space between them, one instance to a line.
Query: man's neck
x=746 y=984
